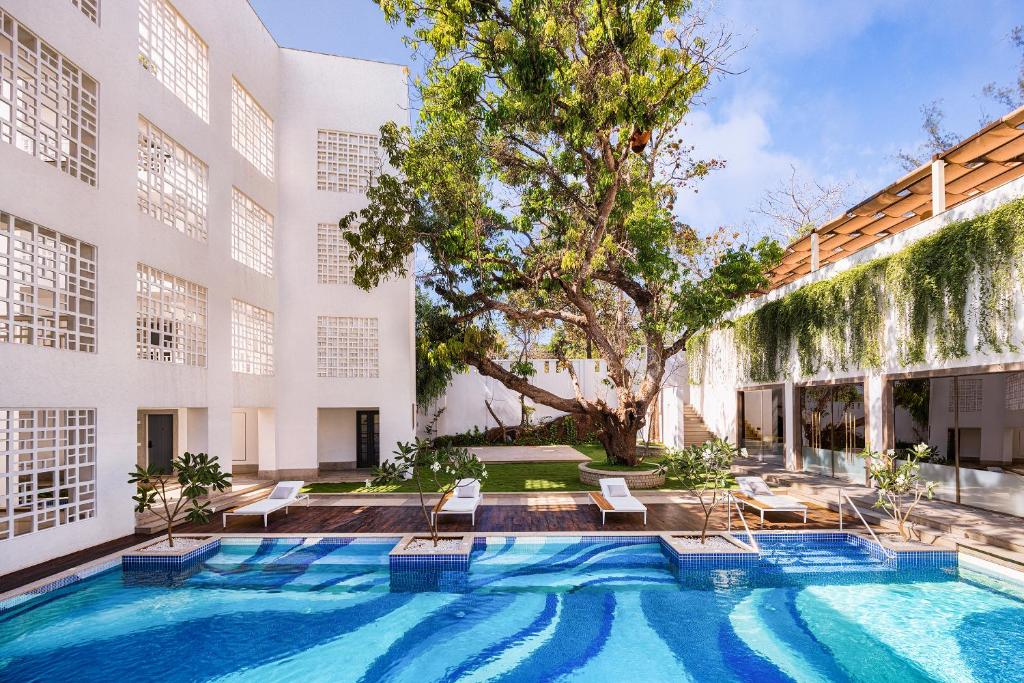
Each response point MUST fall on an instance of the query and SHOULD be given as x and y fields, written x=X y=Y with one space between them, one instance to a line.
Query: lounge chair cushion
x=467 y=488
x=774 y=501
x=282 y=492
x=617 y=491
x=457 y=504
x=626 y=504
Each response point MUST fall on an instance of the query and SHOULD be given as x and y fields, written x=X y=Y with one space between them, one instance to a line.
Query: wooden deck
x=507 y=518
x=570 y=518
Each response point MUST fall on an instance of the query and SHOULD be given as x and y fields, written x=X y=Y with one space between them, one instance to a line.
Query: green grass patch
x=527 y=477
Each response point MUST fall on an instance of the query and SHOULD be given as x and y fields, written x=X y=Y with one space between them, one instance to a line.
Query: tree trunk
x=619 y=438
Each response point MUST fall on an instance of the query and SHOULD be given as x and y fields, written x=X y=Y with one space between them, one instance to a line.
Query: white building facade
x=968 y=407
x=172 y=277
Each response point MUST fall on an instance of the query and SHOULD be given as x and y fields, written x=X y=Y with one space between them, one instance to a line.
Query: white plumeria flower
x=435 y=466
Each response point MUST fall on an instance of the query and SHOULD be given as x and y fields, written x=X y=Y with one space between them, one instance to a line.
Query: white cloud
x=738 y=133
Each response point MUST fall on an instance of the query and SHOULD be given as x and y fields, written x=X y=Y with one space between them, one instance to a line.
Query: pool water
x=553 y=609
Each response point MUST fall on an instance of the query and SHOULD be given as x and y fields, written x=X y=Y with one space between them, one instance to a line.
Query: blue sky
x=832 y=87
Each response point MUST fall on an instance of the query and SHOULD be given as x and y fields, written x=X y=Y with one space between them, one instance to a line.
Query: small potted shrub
x=440 y=468
x=899 y=484
x=703 y=470
x=195 y=474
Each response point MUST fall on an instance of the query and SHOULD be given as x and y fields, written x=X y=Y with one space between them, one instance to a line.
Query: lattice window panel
x=47 y=468
x=333 y=266
x=174 y=53
x=90 y=8
x=47 y=287
x=49 y=107
x=347 y=347
x=171 y=316
x=252 y=234
x=346 y=162
x=173 y=183
x=1015 y=391
x=971 y=392
x=252 y=339
x=252 y=130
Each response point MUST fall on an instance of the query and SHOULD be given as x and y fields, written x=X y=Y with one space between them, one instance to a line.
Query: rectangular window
x=49 y=107
x=175 y=54
x=47 y=287
x=90 y=8
x=252 y=339
x=252 y=234
x=170 y=318
x=832 y=430
x=172 y=182
x=333 y=266
x=47 y=468
x=346 y=162
x=252 y=130
x=347 y=347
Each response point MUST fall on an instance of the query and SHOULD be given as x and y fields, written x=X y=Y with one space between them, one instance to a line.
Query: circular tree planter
x=635 y=479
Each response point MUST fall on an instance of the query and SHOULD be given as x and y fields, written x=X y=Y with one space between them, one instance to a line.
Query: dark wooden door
x=367 y=438
x=160 y=432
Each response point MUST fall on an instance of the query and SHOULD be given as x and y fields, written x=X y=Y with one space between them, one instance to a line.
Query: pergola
x=987 y=159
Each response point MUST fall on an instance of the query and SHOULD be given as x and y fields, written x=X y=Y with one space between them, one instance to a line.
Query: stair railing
x=732 y=503
x=843 y=493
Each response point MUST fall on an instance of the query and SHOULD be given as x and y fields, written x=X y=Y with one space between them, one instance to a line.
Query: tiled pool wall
x=422 y=573
x=66 y=580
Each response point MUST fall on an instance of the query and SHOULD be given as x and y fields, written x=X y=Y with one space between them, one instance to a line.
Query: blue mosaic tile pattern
x=419 y=573
x=193 y=557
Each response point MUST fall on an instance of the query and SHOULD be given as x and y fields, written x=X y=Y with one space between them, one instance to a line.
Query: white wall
x=301 y=91
x=464 y=406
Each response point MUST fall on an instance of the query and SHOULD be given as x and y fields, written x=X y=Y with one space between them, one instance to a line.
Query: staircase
x=694 y=429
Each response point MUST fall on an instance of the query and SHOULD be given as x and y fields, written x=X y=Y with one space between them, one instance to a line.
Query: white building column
x=790 y=424
x=266 y=440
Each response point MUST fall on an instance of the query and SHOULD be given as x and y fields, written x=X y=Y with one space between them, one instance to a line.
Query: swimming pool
x=536 y=609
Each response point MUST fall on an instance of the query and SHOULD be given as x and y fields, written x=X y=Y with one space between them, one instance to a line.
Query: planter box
x=428 y=569
x=176 y=558
x=681 y=558
x=635 y=479
x=653 y=450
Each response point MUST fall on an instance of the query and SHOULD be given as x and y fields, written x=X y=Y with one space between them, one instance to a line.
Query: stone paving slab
x=495 y=454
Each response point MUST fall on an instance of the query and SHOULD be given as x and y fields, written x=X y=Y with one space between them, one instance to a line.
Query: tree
x=899 y=484
x=541 y=179
x=937 y=138
x=798 y=205
x=442 y=468
x=435 y=361
x=195 y=474
x=702 y=469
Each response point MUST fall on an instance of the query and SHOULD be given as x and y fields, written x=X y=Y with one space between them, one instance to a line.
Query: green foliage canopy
x=540 y=182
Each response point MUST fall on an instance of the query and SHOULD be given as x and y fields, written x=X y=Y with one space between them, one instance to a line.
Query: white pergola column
x=938 y=187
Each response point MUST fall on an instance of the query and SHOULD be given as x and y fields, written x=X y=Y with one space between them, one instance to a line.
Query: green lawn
x=507 y=477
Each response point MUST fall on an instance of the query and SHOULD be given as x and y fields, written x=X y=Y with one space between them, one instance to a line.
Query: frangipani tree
x=704 y=471
x=439 y=468
x=899 y=484
x=540 y=184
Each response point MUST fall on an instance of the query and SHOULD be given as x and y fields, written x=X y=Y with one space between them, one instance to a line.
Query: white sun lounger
x=615 y=497
x=464 y=500
x=284 y=495
x=758 y=495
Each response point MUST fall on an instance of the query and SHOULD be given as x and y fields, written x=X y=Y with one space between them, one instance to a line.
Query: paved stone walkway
x=494 y=454
x=958 y=521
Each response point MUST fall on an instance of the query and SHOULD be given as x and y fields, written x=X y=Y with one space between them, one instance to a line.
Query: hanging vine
x=838 y=323
x=696 y=356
